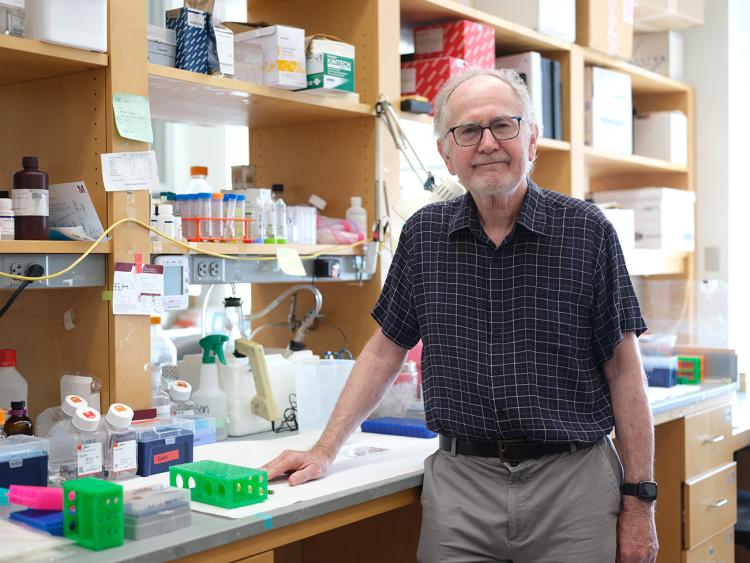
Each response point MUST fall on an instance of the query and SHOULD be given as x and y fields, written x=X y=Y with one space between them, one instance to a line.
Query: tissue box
x=192 y=39
x=553 y=17
x=606 y=26
x=330 y=66
x=608 y=110
x=283 y=55
x=662 y=134
x=463 y=39
x=162 y=45
x=425 y=78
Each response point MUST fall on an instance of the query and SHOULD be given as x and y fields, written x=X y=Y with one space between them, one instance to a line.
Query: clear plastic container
x=357 y=216
x=155 y=510
x=230 y=203
x=163 y=443
x=179 y=392
x=403 y=392
x=60 y=437
x=216 y=223
x=121 y=448
x=234 y=323
x=163 y=353
x=79 y=448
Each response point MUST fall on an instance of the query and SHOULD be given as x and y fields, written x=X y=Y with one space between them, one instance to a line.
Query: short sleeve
x=616 y=309
x=394 y=310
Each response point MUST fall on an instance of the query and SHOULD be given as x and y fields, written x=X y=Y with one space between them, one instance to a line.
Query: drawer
x=718 y=549
x=710 y=504
x=708 y=440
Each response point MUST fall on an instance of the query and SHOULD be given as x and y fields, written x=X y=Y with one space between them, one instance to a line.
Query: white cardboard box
x=623 y=220
x=75 y=23
x=283 y=55
x=225 y=50
x=662 y=134
x=553 y=17
x=661 y=52
x=664 y=217
x=608 y=110
x=330 y=66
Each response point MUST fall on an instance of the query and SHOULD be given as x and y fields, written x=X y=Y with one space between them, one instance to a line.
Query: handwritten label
x=133 y=117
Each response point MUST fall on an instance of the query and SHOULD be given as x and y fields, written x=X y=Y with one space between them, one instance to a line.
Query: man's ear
x=443 y=150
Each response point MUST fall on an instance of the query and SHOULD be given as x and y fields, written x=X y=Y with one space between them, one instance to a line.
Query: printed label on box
x=196 y=19
x=166 y=456
x=429 y=40
x=125 y=456
x=89 y=458
x=408 y=81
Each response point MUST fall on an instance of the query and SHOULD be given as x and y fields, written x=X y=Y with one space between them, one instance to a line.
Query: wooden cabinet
x=710 y=504
x=708 y=440
x=719 y=548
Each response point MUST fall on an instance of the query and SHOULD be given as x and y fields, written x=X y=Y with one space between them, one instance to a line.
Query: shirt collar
x=532 y=216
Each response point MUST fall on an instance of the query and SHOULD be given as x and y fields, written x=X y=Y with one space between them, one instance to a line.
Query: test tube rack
x=220 y=484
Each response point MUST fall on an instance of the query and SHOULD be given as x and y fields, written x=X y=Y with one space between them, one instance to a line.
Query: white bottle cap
x=165 y=209
x=356 y=201
x=317 y=201
x=72 y=403
x=86 y=419
x=119 y=415
x=180 y=390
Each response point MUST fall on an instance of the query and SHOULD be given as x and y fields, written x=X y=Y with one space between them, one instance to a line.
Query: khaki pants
x=560 y=508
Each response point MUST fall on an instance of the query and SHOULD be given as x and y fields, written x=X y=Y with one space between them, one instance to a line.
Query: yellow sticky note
x=289 y=261
x=133 y=117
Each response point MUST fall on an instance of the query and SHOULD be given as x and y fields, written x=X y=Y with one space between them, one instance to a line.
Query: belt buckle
x=503 y=453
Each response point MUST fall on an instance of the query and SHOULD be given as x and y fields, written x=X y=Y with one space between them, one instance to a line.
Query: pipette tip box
x=155 y=510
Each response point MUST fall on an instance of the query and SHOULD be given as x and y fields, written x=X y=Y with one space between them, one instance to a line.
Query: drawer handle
x=719 y=503
x=715 y=440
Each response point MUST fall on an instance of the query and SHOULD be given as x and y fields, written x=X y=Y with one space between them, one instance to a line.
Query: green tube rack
x=220 y=484
x=93 y=513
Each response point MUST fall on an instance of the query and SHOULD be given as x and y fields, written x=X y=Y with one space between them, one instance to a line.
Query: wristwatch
x=645 y=490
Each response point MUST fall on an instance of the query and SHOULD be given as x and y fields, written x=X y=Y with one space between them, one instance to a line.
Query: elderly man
x=529 y=323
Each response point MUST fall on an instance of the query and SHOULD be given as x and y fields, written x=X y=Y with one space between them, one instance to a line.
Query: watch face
x=647 y=490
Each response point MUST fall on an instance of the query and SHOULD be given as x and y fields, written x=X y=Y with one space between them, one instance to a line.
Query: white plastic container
x=357 y=216
x=209 y=399
x=319 y=384
x=61 y=441
x=165 y=220
x=7 y=219
x=237 y=383
x=13 y=386
x=120 y=446
x=74 y=23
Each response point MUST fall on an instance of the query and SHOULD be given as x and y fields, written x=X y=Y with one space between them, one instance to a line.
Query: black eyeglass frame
x=452 y=130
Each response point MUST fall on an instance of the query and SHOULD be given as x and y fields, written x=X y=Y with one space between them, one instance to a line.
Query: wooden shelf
x=647 y=262
x=189 y=97
x=552 y=145
x=643 y=81
x=603 y=163
x=509 y=36
x=22 y=60
x=254 y=249
x=51 y=247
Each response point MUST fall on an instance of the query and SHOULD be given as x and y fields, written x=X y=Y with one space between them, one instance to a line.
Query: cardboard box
x=425 y=78
x=225 y=50
x=662 y=15
x=161 y=45
x=623 y=220
x=12 y=17
x=606 y=25
x=664 y=217
x=661 y=52
x=191 y=31
x=553 y=17
x=608 y=110
x=248 y=62
x=330 y=66
x=283 y=55
x=662 y=134
x=463 y=39
x=529 y=66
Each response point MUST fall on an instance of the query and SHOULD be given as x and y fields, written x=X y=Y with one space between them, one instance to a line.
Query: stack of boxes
x=444 y=50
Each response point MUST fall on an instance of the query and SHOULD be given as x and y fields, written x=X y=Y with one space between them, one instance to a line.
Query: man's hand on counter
x=302 y=466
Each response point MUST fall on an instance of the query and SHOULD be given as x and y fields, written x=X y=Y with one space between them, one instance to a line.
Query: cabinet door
x=708 y=440
x=710 y=504
x=718 y=549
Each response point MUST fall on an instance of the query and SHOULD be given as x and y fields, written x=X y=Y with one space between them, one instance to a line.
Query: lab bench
x=380 y=521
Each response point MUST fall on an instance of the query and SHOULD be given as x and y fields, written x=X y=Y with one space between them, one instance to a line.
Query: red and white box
x=462 y=39
x=425 y=78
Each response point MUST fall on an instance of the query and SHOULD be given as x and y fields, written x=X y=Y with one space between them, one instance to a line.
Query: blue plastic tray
x=396 y=426
x=47 y=520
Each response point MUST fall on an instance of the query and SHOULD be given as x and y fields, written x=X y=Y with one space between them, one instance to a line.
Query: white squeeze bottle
x=209 y=399
x=357 y=216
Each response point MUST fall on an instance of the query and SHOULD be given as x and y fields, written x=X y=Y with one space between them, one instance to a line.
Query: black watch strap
x=644 y=490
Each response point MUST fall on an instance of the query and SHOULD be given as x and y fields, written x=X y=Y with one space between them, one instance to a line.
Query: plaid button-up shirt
x=515 y=335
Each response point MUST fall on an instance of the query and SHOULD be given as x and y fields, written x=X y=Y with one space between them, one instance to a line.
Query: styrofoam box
x=623 y=220
x=73 y=23
x=664 y=217
x=553 y=17
x=661 y=134
x=608 y=110
x=661 y=52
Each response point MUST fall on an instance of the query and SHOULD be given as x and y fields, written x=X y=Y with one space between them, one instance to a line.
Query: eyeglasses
x=502 y=128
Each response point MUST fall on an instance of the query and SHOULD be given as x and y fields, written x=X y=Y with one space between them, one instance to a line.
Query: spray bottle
x=209 y=399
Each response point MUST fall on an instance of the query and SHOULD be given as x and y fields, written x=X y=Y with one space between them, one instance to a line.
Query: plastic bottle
x=179 y=392
x=199 y=180
x=13 y=386
x=89 y=445
x=18 y=422
x=254 y=210
x=121 y=448
x=7 y=225
x=209 y=399
x=61 y=442
x=31 y=201
x=357 y=216
x=234 y=324
x=165 y=221
x=163 y=353
x=274 y=212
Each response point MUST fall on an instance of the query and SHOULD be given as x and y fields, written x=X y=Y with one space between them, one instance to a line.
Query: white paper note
x=135 y=293
x=290 y=262
x=126 y=171
x=70 y=206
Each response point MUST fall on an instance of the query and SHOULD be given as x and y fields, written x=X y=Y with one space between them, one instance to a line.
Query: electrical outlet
x=17 y=269
x=214 y=269
x=202 y=269
x=209 y=270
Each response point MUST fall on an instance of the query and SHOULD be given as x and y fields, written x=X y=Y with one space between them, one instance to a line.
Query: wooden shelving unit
x=52 y=247
x=603 y=163
x=241 y=249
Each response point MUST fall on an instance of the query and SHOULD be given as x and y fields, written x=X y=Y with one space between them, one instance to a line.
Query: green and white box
x=330 y=66
x=283 y=54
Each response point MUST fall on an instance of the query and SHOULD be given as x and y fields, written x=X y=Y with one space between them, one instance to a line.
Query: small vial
x=216 y=223
x=239 y=213
x=18 y=422
x=121 y=454
x=179 y=391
